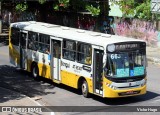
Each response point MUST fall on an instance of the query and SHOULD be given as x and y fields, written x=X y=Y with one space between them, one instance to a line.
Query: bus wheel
x=35 y=72
x=85 y=91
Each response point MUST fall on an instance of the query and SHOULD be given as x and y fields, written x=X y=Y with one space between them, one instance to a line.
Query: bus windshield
x=126 y=64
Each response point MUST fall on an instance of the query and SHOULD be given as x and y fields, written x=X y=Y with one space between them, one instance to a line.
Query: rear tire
x=35 y=72
x=84 y=88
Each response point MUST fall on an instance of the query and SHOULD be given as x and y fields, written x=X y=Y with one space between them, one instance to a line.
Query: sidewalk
x=10 y=98
x=153 y=55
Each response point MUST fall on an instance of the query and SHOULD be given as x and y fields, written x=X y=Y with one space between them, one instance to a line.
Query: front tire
x=84 y=88
x=35 y=72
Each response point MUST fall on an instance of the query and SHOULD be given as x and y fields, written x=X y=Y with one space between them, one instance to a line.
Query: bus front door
x=55 y=59
x=97 y=71
x=23 y=49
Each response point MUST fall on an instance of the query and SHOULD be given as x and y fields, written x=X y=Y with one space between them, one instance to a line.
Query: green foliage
x=61 y=4
x=64 y=3
x=143 y=10
x=77 y=5
x=21 y=7
x=135 y=8
x=93 y=10
x=127 y=7
x=56 y=7
x=41 y=1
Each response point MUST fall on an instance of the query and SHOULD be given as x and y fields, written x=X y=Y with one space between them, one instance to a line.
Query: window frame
x=69 y=50
x=30 y=39
x=43 y=43
x=13 y=39
x=85 y=54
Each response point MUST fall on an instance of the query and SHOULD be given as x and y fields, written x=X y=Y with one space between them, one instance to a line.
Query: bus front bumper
x=115 y=93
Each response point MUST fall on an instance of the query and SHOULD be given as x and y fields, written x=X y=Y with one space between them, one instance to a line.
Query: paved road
x=50 y=94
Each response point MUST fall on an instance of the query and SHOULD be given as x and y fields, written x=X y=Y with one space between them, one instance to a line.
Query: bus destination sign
x=126 y=46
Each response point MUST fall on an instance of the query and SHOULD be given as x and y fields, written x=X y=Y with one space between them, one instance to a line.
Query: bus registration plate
x=130 y=92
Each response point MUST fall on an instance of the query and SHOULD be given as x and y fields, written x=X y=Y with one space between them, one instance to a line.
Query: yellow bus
x=105 y=65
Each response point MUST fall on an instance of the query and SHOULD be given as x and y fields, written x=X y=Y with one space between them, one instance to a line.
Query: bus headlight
x=144 y=82
x=111 y=86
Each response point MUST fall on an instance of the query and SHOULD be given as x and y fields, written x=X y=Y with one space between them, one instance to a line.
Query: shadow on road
x=114 y=101
x=127 y=100
x=20 y=81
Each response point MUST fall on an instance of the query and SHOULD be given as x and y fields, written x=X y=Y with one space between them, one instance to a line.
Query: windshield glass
x=125 y=64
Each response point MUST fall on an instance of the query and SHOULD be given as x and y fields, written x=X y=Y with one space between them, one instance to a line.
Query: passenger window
x=69 y=50
x=33 y=41
x=84 y=53
x=44 y=43
x=15 y=36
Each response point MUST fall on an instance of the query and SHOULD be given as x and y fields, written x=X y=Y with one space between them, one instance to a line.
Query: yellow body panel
x=14 y=54
x=71 y=80
x=44 y=70
x=111 y=93
x=29 y=63
x=90 y=85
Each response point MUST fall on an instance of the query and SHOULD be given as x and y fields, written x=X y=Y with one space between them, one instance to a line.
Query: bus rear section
x=17 y=47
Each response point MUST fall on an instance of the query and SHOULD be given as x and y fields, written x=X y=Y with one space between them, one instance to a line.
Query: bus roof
x=91 y=37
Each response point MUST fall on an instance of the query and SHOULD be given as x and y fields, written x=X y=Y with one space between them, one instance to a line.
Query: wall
x=145 y=30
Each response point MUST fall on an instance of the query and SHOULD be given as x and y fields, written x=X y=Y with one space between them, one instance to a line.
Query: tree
x=22 y=4
x=78 y=5
x=41 y=1
x=21 y=7
x=93 y=10
x=143 y=10
x=135 y=8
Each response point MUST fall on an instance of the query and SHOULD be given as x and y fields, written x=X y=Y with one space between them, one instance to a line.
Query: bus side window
x=84 y=53
x=15 y=36
x=72 y=55
x=33 y=41
x=88 y=58
x=44 y=43
x=66 y=54
x=69 y=50
x=47 y=50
